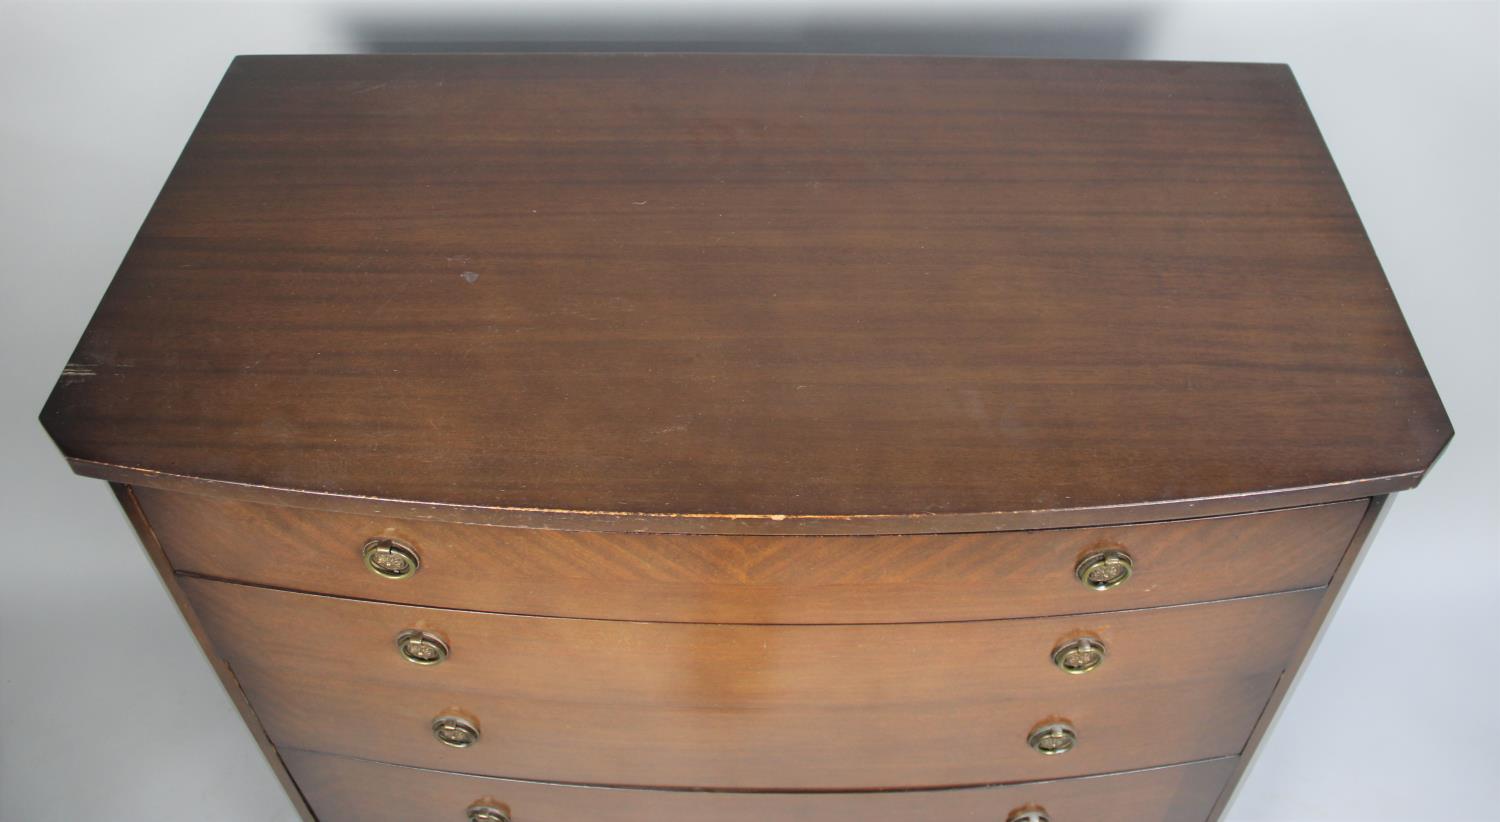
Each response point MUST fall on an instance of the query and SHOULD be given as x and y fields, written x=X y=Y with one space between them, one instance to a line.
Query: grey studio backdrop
x=108 y=708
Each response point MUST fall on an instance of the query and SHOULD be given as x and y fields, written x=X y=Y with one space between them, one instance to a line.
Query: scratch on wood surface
x=79 y=371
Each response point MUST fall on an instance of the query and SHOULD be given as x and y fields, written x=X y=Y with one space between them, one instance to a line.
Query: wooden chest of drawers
x=560 y=437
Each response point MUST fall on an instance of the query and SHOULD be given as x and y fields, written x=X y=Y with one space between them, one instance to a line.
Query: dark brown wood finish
x=1305 y=645
x=723 y=706
x=753 y=579
x=777 y=368
x=659 y=746
x=350 y=790
x=753 y=293
x=232 y=687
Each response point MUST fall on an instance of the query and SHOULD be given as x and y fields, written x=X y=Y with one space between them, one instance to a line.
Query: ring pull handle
x=487 y=812
x=1079 y=656
x=391 y=558
x=1053 y=739
x=1103 y=570
x=455 y=731
x=421 y=647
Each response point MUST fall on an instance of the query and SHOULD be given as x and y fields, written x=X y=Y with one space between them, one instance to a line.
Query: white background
x=107 y=708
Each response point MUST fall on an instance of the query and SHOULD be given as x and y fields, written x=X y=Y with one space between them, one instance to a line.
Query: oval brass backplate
x=487 y=812
x=1079 y=656
x=1103 y=570
x=421 y=647
x=455 y=731
x=391 y=558
x=1053 y=739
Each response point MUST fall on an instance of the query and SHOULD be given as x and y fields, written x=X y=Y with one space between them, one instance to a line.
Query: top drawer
x=752 y=579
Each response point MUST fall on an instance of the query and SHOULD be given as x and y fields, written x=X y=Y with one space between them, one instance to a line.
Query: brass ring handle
x=391 y=558
x=421 y=647
x=1103 y=570
x=455 y=731
x=485 y=812
x=1053 y=739
x=1079 y=656
x=1029 y=815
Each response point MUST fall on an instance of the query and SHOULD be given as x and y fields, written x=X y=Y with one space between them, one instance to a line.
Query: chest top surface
x=767 y=293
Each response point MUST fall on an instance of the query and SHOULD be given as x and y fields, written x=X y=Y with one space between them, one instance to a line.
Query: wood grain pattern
x=753 y=579
x=350 y=790
x=754 y=293
x=232 y=689
x=753 y=706
x=1304 y=649
x=658 y=746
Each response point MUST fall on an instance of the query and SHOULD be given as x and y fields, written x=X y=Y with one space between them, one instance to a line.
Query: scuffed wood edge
x=143 y=530
x=1364 y=534
x=757 y=524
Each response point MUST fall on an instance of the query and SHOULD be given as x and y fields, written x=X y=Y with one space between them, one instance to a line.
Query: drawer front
x=348 y=790
x=762 y=580
x=753 y=706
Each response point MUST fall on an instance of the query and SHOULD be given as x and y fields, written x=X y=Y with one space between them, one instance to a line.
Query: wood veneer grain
x=754 y=292
x=170 y=581
x=753 y=579
x=928 y=744
x=350 y=790
x=754 y=706
x=720 y=296
x=1306 y=644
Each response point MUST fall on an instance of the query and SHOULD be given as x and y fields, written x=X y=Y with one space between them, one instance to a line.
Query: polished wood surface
x=1306 y=644
x=753 y=579
x=350 y=790
x=930 y=743
x=754 y=293
x=232 y=689
x=750 y=414
x=754 y=706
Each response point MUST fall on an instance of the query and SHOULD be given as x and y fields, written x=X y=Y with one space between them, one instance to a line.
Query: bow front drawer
x=752 y=437
x=750 y=579
x=349 y=790
x=753 y=706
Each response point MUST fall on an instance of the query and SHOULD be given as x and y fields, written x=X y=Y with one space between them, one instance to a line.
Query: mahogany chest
x=727 y=438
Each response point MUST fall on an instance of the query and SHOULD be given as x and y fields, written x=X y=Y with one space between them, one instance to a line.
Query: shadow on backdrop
x=1105 y=33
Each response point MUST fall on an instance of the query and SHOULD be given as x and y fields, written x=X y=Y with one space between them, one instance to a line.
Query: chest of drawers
x=559 y=437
